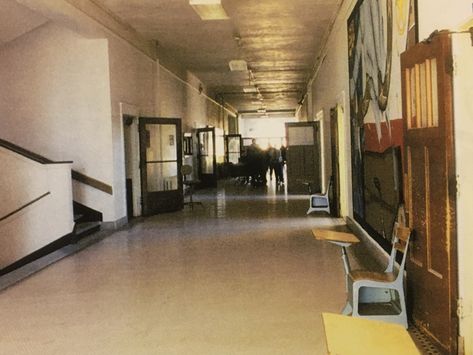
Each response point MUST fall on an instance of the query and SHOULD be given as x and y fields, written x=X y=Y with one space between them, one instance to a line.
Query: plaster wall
x=49 y=218
x=132 y=84
x=171 y=95
x=463 y=107
x=442 y=14
x=330 y=89
x=196 y=104
x=55 y=101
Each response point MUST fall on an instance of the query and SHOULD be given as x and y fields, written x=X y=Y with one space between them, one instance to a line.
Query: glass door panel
x=233 y=148
x=207 y=157
x=161 y=152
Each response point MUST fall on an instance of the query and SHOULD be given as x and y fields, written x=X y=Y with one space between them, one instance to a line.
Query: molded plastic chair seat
x=320 y=202
x=357 y=275
x=380 y=295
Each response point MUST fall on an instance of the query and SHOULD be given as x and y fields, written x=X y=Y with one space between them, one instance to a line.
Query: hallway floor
x=240 y=275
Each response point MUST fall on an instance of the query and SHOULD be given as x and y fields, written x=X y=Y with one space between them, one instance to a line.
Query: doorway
x=303 y=157
x=132 y=167
x=233 y=148
x=210 y=153
x=335 y=157
x=160 y=162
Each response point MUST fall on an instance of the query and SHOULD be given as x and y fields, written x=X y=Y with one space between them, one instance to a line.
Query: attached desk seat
x=354 y=336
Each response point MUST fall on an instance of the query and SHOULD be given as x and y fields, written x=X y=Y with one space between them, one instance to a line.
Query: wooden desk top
x=353 y=336
x=334 y=236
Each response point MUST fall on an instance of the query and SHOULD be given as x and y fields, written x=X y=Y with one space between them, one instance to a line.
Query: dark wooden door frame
x=227 y=152
x=207 y=180
x=335 y=176
x=174 y=197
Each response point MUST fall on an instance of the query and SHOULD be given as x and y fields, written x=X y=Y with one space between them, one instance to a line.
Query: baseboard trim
x=114 y=225
x=47 y=249
x=21 y=272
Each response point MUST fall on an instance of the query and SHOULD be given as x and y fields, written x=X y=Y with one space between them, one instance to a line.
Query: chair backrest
x=186 y=170
x=330 y=183
x=401 y=236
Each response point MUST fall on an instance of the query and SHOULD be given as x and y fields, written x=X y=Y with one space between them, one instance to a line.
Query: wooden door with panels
x=430 y=187
x=303 y=157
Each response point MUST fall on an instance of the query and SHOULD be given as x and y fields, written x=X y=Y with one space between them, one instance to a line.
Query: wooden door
x=160 y=165
x=303 y=157
x=206 y=156
x=429 y=173
x=334 y=194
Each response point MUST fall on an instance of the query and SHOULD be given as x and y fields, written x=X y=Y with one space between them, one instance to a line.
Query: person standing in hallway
x=274 y=155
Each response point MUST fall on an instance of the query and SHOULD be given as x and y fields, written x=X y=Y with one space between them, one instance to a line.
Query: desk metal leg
x=346 y=265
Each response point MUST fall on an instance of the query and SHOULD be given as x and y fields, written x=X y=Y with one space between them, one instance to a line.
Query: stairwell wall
x=55 y=101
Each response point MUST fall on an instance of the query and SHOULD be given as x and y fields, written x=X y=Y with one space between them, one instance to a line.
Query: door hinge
x=460 y=310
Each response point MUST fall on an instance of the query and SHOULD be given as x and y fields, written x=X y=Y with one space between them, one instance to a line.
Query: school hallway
x=241 y=274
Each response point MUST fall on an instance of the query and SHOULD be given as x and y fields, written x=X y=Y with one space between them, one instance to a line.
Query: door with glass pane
x=233 y=148
x=430 y=187
x=161 y=160
x=206 y=155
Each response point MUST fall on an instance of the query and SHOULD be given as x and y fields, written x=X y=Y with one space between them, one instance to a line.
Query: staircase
x=37 y=215
x=86 y=221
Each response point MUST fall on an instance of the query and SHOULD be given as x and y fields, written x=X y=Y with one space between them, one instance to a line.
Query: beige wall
x=55 y=101
x=171 y=94
x=463 y=106
x=442 y=14
x=132 y=83
x=330 y=89
x=196 y=104
x=44 y=221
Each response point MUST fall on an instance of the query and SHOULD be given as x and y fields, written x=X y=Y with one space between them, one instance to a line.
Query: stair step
x=77 y=217
x=83 y=229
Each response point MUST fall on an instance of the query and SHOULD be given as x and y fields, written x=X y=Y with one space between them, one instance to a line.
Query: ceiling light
x=262 y=110
x=250 y=89
x=209 y=9
x=238 y=65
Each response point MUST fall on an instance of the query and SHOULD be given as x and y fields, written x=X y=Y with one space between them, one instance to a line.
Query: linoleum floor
x=239 y=275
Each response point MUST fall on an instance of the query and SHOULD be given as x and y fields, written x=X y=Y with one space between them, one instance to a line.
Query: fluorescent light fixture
x=250 y=89
x=209 y=9
x=262 y=110
x=238 y=65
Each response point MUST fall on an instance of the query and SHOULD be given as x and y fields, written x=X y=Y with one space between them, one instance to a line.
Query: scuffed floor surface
x=240 y=275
